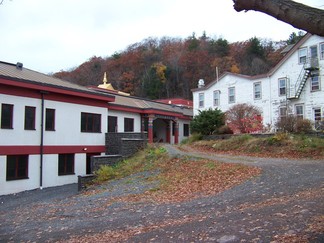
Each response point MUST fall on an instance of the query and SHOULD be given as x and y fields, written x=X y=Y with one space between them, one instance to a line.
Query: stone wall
x=84 y=181
x=97 y=161
x=118 y=147
x=131 y=146
x=116 y=141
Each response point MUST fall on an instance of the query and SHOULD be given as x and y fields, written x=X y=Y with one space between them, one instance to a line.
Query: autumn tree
x=297 y=14
x=244 y=118
x=185 y=61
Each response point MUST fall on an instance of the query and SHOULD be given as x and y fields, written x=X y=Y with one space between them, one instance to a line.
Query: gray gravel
x=256 y=211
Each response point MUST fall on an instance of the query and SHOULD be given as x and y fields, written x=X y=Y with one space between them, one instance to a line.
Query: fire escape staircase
x=308 y=69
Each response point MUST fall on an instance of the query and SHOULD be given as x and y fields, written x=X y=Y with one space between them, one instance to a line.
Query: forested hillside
x=170 y=67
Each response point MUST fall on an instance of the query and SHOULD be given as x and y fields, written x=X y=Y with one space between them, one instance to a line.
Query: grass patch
x=279 y=145
x=193 y=138
x=233 y=143
x=146 y=159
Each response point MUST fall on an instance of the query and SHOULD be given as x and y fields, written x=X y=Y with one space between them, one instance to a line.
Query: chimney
x=19 y=65
x=201 y=83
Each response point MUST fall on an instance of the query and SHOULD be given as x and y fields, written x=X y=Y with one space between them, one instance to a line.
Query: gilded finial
x=105 y=78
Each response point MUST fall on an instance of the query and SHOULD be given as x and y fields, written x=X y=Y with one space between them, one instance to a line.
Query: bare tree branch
x=298 y=15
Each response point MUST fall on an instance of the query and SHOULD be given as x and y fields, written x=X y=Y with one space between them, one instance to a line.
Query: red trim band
x=32 y=149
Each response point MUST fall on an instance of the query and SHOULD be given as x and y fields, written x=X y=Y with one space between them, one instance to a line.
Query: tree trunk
x=298 y=15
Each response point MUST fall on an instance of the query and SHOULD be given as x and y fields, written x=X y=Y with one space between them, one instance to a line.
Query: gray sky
x=53 y=35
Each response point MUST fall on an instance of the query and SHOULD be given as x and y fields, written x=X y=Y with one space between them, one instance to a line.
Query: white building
x=49 y=128
x=294 y=85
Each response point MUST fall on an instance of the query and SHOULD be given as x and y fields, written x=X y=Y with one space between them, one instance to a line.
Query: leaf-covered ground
x=187 y=178
x=221 y=202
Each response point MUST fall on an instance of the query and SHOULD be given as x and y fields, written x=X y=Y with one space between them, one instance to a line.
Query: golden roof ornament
x=108 y=86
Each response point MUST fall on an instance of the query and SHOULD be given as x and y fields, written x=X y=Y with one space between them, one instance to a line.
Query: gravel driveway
x=285 y=203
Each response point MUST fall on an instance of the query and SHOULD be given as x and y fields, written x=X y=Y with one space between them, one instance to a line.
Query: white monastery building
x=294 y=85
x=50 y=128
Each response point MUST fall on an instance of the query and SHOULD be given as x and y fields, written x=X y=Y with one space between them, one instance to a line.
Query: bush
x=207 y=122
x=304 y=126
x=292 y=124
x=277 y=139
x=286 y=124
x=244 y=118
x=105 y=173
x=225 y=130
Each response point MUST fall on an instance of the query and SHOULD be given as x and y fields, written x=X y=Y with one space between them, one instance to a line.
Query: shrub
x=304 y=126
x=277 y=139
x=207 y=121
x=286 y=124
x=105 y=173
x=225 y=130
x=244 y=118
x=292 y=124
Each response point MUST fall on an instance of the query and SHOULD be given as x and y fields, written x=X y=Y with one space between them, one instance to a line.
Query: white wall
x=67 y=124
x=291 y=69
x=67 y=132
x=120 y=119
x=271 y=100
x=50 y=167
x=181 y=123
x=17 y=135
x=244 y=93
x=14 y=186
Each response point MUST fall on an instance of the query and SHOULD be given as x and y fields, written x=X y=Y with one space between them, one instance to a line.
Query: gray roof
x=19 y=73
x=146 y=104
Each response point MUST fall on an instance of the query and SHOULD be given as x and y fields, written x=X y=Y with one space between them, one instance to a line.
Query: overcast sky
x=53 y=35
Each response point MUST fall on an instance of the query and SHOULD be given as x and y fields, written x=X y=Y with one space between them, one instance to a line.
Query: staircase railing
x=296 y=89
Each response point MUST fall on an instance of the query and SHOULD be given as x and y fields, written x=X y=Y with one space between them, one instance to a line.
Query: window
x=66 y=164
x=128 y=125
x=174 y=126
x=185 y=130
x=201 y=100
x=319 y=123
x=257 y=90
x=216 y=97
x=299 y=111
x=282 y=86
x=90 y=122
x=30 y=113
x=322 y=50
x=50 y=119
x=17 y=167
x=282 y=111
x=6 y=116
x=302 y=55
x=315 y=83
x=231 y=95
x=112 y=124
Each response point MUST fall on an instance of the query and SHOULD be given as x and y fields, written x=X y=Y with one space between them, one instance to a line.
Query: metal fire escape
x=309 y=69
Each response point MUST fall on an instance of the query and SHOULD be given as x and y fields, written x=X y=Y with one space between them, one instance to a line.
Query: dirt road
x=283 y=204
